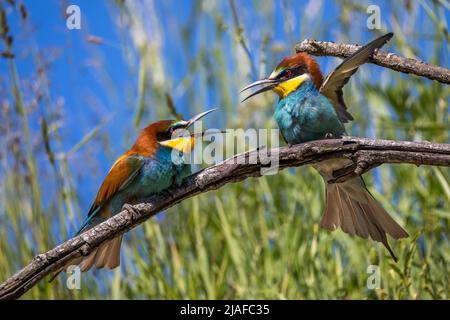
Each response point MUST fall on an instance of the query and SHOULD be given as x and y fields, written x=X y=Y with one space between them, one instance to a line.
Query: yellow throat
x=183 y=144
x=283 y=89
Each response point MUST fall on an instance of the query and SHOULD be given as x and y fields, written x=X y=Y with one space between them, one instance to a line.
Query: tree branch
x=365 y=154
x=384 y=59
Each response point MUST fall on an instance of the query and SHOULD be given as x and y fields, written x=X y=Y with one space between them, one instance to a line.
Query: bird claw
x=130 y=209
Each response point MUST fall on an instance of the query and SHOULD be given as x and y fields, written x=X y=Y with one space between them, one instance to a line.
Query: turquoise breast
x=306 y=115
x=159 y=172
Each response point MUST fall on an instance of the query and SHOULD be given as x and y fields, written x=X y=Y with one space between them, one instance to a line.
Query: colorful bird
x=311 y=108
x=155 y=162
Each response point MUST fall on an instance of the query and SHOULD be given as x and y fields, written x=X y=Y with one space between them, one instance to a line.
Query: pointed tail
x=351 y=207
x=106 y=255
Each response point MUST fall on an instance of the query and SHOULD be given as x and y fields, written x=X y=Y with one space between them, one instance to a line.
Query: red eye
x=288 y=73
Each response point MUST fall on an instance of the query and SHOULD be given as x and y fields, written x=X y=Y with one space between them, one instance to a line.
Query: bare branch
x=365 y=154
x=384 y=59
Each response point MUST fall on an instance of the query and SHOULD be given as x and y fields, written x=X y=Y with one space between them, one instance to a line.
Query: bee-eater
x=310 y=108
x=155 y=162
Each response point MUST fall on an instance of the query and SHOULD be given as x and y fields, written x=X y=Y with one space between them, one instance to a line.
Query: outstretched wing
x=122 y=172
x=335 y=81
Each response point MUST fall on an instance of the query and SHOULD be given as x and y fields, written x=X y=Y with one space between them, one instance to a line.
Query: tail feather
x=359 y=221
x=386 y=221
x=87 y=262
x=107 y=255
x=346 y=218
x=102 y=254
x=351 y=207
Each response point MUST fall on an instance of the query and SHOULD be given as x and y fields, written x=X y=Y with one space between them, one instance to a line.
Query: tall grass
x=256 y=239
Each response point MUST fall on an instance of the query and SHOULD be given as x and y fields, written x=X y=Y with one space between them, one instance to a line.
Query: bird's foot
x=130 y=209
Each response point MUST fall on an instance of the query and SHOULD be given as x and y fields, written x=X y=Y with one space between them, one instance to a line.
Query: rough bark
x=384 y=59
x=365 y=153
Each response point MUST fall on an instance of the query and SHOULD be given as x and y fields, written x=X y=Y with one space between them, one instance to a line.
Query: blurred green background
x=71 y=101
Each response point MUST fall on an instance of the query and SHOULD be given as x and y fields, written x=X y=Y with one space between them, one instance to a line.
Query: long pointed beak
x=270 y=84
x=191 y=121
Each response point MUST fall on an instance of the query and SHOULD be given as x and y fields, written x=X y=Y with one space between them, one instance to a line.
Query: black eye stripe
x=162 y=136
x=299 y=70
x=292 y=72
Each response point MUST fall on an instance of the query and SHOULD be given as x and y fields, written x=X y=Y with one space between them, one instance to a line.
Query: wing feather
x=122 y=172
x=336 y=80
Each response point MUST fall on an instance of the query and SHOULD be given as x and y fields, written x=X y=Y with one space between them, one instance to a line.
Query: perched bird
x=310 y=108
x=155 y=162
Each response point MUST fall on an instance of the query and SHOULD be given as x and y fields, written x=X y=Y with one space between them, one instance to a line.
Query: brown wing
x=335 y=81
x=123 y=171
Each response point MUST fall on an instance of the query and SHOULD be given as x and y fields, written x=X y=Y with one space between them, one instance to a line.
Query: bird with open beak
x=310 y=108
x=146 y=169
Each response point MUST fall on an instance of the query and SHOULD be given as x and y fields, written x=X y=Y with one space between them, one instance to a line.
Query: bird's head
x=164 y=133
x=289 y=75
